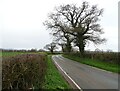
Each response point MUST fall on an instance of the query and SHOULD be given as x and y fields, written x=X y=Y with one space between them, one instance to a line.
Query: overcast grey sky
x=21 y=23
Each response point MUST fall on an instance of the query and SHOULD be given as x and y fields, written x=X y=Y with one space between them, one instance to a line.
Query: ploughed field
x=23 y=71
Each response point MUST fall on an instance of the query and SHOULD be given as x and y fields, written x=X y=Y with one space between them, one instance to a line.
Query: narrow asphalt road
x=85 y=76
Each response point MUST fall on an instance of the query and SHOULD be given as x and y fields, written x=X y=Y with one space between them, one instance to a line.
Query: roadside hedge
x=26 y=71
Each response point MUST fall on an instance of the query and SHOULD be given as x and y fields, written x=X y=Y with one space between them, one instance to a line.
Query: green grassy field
x=53 y=79
x=9 y=54
x=95 y=63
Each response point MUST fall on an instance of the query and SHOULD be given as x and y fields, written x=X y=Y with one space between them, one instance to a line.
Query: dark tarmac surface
x=87 y=77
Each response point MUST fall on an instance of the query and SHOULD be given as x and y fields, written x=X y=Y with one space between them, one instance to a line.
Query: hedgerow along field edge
x=25 y=71
x=55 y=81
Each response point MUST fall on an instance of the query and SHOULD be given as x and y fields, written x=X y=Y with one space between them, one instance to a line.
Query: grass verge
x=53 y=79
x=95 y=63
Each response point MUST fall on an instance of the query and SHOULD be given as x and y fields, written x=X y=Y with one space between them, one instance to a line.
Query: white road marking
x=68 y=76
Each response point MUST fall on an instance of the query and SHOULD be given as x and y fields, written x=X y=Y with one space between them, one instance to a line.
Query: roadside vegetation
x=53 y=79
x=29 y=70
x=24 y=71
x=106 y=61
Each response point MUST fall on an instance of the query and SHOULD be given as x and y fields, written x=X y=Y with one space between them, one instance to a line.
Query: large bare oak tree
x=79 y=24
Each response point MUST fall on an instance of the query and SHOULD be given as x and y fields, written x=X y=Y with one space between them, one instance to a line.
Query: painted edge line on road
x=68 y=76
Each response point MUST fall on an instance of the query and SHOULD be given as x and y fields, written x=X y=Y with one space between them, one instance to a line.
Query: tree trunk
x=63 y=49
x=51 y=51
x=80 y=43
x=68 y=46
x=81 y=48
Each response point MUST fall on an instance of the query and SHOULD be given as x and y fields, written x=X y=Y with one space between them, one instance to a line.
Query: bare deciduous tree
x=51 y=47
x=80 y=24
x=59 y=31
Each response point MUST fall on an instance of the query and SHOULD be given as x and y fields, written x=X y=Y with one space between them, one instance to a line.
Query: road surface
x=86 y=77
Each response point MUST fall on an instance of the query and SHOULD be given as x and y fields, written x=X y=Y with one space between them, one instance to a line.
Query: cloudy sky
x=21 y=23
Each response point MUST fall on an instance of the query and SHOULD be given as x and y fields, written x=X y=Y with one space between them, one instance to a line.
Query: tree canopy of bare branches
x=79 y=25
x=51 y=47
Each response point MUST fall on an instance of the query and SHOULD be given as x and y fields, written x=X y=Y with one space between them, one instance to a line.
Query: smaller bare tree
x=51 y=47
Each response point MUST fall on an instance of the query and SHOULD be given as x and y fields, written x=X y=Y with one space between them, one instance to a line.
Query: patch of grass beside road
x=95 y=63
x=53 y=79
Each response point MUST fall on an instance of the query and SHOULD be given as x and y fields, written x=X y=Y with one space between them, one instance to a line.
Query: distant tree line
x=22 y=50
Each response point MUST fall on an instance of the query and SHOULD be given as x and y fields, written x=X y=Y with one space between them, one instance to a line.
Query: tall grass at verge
x=53 y=79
